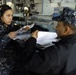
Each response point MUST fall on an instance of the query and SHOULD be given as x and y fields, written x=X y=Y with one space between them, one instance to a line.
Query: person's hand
x=12 y=34
x=26 y=28
x=35 y=34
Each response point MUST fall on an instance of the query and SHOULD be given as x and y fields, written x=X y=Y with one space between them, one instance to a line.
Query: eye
x=8 y=15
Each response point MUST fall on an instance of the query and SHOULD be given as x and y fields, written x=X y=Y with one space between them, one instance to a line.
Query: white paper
x=22 y=37
x=46 y=38
x=21 y=30
x=23 y=34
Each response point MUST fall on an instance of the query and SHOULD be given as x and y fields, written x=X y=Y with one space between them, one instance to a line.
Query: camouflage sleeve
x=4 y=39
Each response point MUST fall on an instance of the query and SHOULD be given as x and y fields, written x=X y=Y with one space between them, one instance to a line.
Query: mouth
x=9 y=21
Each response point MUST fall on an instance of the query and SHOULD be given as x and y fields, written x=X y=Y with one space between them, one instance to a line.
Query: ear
x=67 y=30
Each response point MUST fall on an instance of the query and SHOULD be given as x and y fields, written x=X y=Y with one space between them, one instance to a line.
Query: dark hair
x=4 y=8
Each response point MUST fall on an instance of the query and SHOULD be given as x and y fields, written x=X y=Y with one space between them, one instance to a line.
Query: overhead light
x=26 y=8
x=9 y=3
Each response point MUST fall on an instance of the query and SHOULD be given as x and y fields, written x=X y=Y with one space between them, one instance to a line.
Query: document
x=46 y=38
x=24 y=32
x=25 y=28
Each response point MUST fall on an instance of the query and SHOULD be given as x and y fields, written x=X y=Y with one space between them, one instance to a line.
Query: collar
x=68 y=39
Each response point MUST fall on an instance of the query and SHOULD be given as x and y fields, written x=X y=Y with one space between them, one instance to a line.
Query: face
x=7 y=17
x=61 y=29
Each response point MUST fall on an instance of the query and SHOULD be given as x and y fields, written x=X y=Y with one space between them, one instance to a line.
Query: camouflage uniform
x=8 y=49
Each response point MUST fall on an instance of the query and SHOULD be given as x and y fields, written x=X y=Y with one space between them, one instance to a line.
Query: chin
x=8 y=23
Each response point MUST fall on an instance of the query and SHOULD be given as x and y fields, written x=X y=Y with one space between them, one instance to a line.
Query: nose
x=11 y=17
x=56 y=27
x=55 y=24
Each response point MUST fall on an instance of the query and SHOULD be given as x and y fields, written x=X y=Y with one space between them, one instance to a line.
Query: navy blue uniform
x=8 y=49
